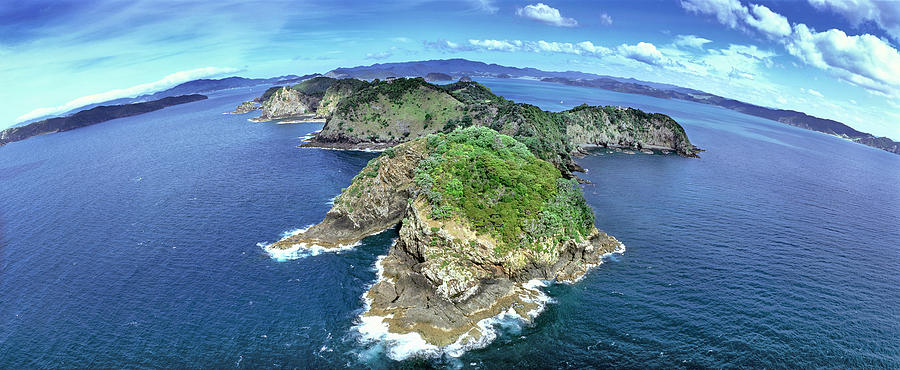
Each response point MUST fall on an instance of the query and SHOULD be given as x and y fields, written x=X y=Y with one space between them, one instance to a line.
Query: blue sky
x=835 y=59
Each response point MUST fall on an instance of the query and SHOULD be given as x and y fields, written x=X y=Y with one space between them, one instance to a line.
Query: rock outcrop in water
x=286 y=102
x=300 y=100
x=246 y=107
x=480 y=216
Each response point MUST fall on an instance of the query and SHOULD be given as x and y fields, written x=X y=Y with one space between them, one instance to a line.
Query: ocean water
x=135 y=243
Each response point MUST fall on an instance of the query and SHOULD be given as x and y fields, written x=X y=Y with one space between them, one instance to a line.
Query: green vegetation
x=495 y=184
x=315 y=86
x=268 y=94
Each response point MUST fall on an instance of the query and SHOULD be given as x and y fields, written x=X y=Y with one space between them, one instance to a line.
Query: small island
x=480 y=217
x=482 y=189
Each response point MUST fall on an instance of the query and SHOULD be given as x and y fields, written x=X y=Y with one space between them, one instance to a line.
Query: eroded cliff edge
x=480 y=216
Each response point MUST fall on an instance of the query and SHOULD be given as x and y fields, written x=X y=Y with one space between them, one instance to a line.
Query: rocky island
x=482 y=191
x=480 y=216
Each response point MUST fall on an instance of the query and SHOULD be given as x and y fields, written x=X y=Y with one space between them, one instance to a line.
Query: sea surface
x=136 y=243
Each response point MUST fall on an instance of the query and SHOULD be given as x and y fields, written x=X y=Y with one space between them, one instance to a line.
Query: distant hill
x=90 y=117
x=201 y=86
x=458 y=68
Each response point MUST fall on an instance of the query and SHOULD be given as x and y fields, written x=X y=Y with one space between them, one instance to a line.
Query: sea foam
x=301 y=250
x=374 y=331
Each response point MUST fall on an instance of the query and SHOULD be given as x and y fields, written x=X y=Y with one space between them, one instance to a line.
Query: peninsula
x=92 y=116
x=482 y=190
x=380 y=114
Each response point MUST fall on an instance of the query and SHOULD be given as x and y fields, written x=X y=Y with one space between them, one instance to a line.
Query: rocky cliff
x=246 y=107
x=302 y=99
x=480 y=216
x=286 y=102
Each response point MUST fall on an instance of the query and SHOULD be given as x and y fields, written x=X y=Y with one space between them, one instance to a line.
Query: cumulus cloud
x=497 y=45
x=735 y=15
x=446 y=46
x=645 y=52
x=728 y=12
x=544 y=13
x=691 y=41
x=768 y=22
x=885 y=14
x=863 y=60
x=134 y=91
x=586 y=48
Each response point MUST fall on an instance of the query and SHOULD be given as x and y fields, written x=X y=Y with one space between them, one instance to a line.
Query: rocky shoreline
x=442 y=278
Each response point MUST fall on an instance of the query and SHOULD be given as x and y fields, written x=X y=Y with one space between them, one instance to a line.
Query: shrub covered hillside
x=391 y=112
x=497 y=186
x=381 y=114
x=479 y=217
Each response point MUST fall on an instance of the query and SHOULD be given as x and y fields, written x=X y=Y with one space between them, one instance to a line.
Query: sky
x=834 y=59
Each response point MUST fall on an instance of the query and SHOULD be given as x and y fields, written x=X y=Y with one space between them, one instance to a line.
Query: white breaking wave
x=374 y=331
x=331 y=201
x=301 y=250
x=306 y=138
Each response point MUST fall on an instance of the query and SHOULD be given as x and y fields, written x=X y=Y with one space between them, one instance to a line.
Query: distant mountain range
x=459 y=68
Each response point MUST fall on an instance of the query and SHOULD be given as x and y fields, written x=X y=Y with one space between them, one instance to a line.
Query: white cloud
x=134 y=91
x=728 y=12
x=544 y=13
x=735 y=15
x=497 y=45
x=813 y=92
x=586 y=48
x=885 y=14
x=605 y=19
x=644 y=52
x=863 y=60
x=691 y=41
x=770 y=23
x=486 y=6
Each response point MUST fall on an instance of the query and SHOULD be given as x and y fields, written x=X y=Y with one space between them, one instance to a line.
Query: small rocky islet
x=482 y=189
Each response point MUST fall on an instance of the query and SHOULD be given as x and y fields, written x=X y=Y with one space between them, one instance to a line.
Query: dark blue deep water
x=134 y=243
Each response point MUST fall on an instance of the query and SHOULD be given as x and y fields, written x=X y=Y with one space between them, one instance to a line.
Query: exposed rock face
x=443 y=275
x=246 y=107
x=626 y=127
x=286 y=102
x=444 y=302
x=465 y=79
x=384 y=114
x=376 y=200
x=339 y=90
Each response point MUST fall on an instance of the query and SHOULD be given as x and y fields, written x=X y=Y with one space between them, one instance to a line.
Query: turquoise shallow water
x=134 y=243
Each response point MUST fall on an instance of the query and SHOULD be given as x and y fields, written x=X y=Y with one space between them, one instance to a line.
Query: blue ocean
x=136 y=243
